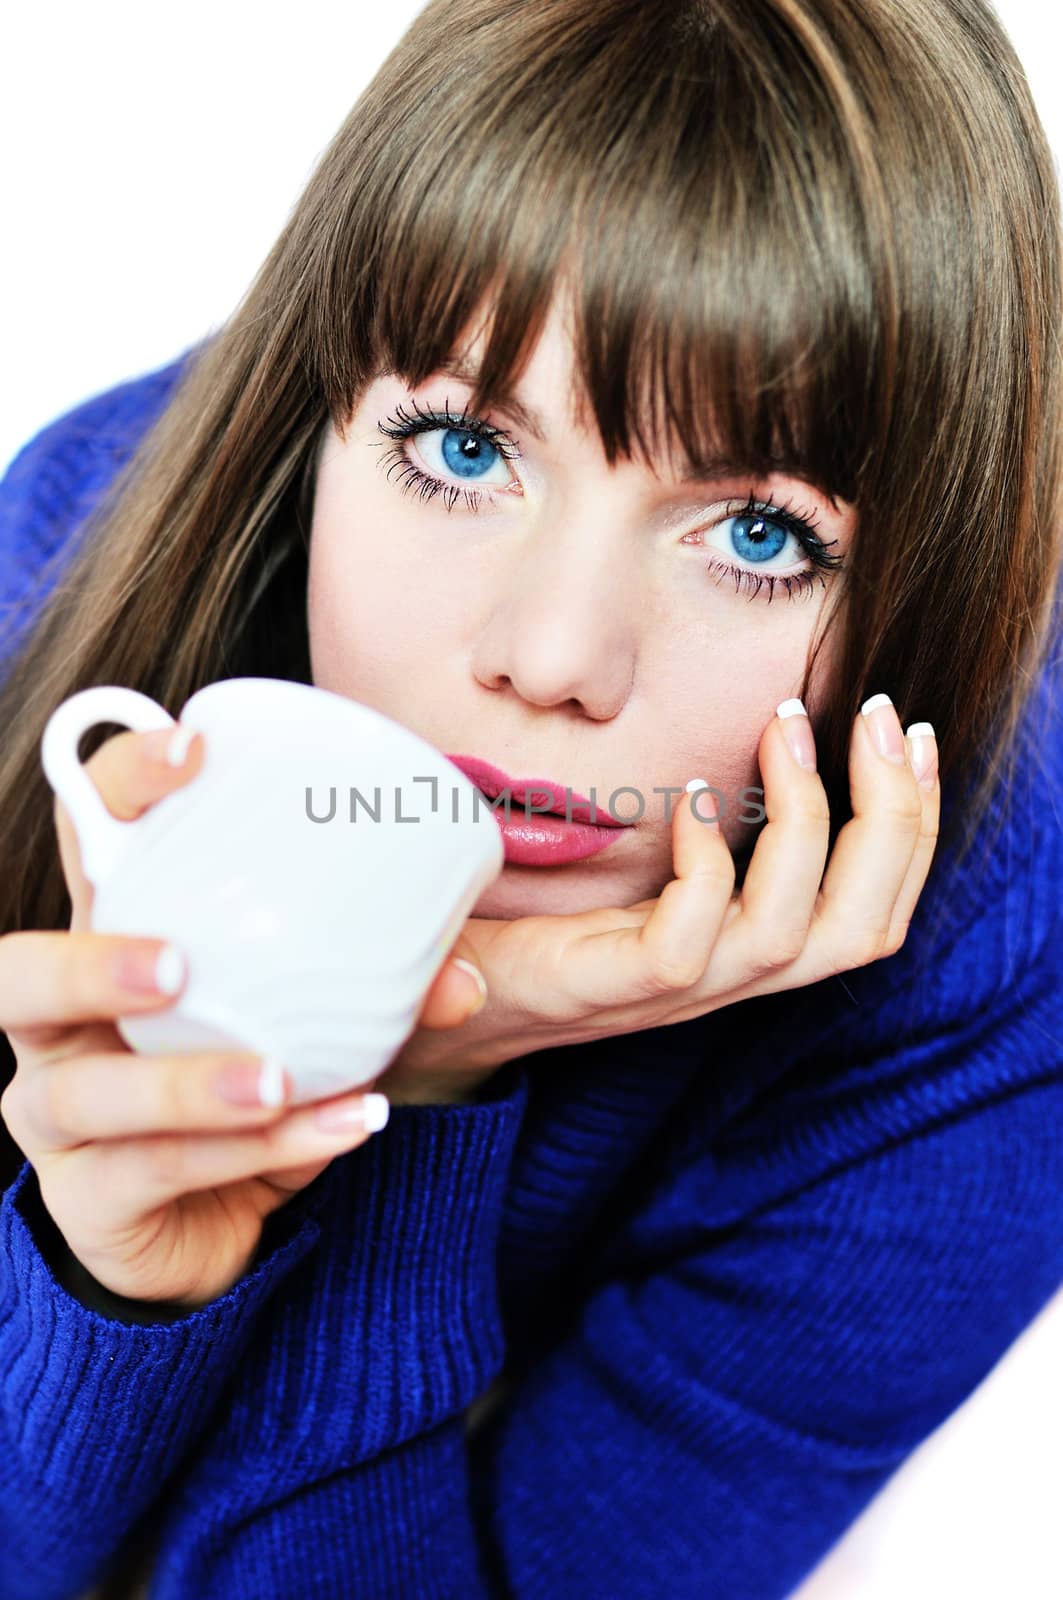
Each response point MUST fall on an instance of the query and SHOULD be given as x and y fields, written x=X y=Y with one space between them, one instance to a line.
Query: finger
x=285 y=1180
x=131 y=772
x=669 y=949
x=873 y=852
x=50 y=981
x=923 y=743
x=165 y=1166
x=134 y=770
x=457 y=992
x=121 y=1094
x=877 y=870
x=785 y=870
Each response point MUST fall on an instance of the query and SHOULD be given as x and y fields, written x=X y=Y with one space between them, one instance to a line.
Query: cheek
x=373 y=615
x=357 y=629
x=717 y=695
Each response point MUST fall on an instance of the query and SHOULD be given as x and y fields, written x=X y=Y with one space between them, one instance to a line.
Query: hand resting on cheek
x=559 y=980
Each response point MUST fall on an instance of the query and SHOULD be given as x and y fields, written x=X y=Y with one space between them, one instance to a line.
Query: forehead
x=538 y=392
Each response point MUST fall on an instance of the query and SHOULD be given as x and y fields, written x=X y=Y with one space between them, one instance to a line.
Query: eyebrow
x=709 y=470
x=507 y=401
x=525 y=416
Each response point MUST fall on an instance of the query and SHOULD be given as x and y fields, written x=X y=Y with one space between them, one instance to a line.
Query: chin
x=560 y=891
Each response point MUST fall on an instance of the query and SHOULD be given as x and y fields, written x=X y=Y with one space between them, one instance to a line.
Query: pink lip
x=533 y=838
x=540 y=792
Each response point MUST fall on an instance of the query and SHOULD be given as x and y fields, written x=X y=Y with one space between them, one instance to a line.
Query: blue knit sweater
x=734 y=1270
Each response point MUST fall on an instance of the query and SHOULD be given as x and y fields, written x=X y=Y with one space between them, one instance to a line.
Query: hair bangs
x=717 y=324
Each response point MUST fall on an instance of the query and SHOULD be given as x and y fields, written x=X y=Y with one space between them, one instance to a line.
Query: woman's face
x=602 y=627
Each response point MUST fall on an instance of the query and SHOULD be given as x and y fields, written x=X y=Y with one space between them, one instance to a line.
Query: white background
x=150 y=157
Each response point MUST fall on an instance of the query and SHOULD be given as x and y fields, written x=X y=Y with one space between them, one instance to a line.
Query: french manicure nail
x=924 y=753
x=695 y=787
x=885 y=728
x=370 y=1113
x=169 y=970
x=150 y=971
x=177 y=749
x=272 y=1089
x=481 y=981
x=252 y=1083
x=797 y=731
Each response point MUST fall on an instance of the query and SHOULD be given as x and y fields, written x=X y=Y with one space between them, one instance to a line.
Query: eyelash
x=402 y=426
x=802 y=524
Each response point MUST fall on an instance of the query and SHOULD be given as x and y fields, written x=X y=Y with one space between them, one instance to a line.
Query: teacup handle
x=101 y=837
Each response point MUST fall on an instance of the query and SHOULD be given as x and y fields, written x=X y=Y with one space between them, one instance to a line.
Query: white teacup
x=308 y=935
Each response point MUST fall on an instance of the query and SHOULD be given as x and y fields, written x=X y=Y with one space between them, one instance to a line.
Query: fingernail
x=481 y=982
x=169 y=969
x=370 y=1113
x=252 y=1083
x=272 y=1088
x=924 y=753
x=169 y=745
x=797 y=731
x=151 y=971
x=177 y=749
x=885 y=728
x=694 y=787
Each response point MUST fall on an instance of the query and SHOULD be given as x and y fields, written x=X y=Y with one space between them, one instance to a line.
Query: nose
x=561 y=628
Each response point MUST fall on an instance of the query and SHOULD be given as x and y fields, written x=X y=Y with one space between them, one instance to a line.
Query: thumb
x=458 y=992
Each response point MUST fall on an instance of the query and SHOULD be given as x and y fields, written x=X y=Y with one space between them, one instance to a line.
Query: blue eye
x=465 y=453
x=758 y=532
x=462 y=445
x=756 y=540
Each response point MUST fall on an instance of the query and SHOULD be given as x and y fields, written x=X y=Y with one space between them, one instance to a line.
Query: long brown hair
x=811 y=234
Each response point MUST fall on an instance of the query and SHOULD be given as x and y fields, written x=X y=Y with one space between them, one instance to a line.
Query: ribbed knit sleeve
x=95 y=1415
x=319 y=1359
x=360 y=1374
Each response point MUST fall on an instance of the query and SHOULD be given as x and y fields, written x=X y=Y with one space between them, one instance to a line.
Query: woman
x=718 y=345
